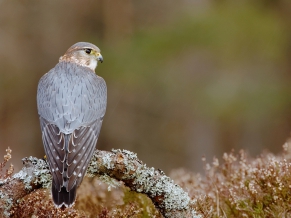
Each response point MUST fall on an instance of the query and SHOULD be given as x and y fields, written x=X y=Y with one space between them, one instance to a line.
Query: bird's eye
x=88 y=50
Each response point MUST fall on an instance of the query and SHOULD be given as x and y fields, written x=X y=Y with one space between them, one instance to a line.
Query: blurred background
x=185 y=79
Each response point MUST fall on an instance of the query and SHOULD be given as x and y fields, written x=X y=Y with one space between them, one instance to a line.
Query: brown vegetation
x=239 y=186
x=242 y=186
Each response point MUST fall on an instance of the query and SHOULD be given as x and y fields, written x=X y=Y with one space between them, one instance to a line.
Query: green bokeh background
x=185 y=78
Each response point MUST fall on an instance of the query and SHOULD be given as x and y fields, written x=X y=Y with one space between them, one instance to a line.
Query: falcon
x=71 y=102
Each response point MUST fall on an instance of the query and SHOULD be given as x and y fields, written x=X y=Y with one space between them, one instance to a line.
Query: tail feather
x=64 y=197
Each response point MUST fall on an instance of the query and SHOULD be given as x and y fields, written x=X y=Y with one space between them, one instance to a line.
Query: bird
x=71 y=103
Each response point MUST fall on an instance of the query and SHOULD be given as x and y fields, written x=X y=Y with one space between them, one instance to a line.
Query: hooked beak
x=99 y=57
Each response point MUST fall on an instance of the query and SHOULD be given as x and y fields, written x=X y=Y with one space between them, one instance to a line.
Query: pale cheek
x=92 y=64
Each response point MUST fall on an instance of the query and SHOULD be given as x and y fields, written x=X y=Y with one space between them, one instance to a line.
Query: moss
x=143 y=202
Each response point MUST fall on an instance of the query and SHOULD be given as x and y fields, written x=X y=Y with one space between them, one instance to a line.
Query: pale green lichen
x=42 y=173
x=106 y=159
x=4 y=181
x=111 y=182
x=145 y=179
x=8 y=204
x=25 y=178
x=175 y=198
x=36 y=171
x=93 y=166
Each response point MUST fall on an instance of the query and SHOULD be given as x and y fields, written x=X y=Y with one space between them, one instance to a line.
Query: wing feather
x=51 y=146
x=78 y=159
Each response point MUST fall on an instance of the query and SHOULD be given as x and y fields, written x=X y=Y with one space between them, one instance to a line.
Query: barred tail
x=64 y=197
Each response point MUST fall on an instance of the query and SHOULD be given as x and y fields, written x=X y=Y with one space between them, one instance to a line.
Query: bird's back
x=71 y=103
x=71 y=96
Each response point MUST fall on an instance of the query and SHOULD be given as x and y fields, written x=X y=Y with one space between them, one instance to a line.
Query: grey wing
x=54 y=148
x=81 y=149
x=69 y=155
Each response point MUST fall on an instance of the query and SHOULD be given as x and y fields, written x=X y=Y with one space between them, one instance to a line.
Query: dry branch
x=124 y=166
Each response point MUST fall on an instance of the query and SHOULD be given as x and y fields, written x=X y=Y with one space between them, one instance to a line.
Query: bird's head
x=84 y=54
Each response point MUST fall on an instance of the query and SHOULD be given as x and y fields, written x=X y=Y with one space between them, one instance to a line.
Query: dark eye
x=88 y=50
